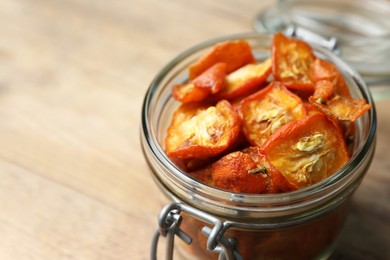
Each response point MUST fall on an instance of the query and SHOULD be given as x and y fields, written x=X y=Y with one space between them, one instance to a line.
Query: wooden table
x=73 y=180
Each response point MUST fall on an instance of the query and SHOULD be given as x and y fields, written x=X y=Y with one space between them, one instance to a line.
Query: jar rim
x=261 y=201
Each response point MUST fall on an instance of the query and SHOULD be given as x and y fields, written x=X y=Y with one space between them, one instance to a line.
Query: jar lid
x=358 y=31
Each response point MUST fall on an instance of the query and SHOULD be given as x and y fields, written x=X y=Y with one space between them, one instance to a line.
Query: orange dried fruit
x=238 y=172
x=307 y=150
x=265 y=111
x=291 y=62
x=209 y=82
x=245 y=80
x=202 y=131
x=332 y=96
x=234 y=53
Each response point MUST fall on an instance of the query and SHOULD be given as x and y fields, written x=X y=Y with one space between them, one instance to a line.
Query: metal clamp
x=169 y=221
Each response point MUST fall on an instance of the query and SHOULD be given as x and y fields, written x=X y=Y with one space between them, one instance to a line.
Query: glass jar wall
x=304 y=224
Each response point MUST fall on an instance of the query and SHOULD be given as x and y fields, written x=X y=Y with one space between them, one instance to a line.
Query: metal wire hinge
x=169 y=221
x=312 y=37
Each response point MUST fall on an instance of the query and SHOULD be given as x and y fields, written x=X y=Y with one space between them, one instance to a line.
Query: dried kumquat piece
x=209 y=82
x=203 y=175
x=307 y=150
x=326 y=77
x=291 y=62
x=189 y=92
x=202 y=131
x=343 y=109
x=239 y=172
x=234 y=53
x=323 y=70
x=242 y=171
x=192 y=164
x=265 y=111
x=245 y=80
x=275 y=181
x=213 y=79
x=332 y=96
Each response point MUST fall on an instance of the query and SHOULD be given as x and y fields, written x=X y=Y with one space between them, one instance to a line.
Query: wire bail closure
x=312 y=37
x=169 y=221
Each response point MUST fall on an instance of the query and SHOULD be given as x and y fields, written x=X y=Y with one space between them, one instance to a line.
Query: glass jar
x=302 y=224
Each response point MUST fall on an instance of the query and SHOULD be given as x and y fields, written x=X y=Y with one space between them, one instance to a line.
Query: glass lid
x=357 y=30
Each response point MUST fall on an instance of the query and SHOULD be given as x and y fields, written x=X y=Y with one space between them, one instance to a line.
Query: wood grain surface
x=73 y=74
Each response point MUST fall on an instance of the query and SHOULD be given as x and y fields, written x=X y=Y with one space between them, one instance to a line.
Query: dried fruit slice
x=307 y=151
x=234 y=53
x=203 y=175
x=209 y=82
x=238 y=172
x=189 y=92
x=202 y=131
x=268 y=109
x=343 y=109
x=213 y=79
x=245 y=80
x=291 y=62
x=332 y=96
x=275 y=181
x=245 y=171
